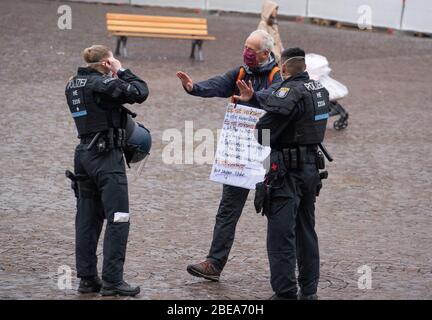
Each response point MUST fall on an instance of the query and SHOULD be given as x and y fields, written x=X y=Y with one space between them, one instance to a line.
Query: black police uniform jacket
x=297 y=112
x=95 y=100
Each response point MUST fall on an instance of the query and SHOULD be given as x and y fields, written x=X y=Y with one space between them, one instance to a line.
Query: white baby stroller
x=318 y=68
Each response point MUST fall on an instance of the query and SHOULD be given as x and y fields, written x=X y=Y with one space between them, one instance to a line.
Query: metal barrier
x=412 y=15
x=382 y=13
x=286 y=7
x=417 y=16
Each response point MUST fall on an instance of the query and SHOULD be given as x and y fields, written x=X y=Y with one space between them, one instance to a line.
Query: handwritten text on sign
x=239 y=157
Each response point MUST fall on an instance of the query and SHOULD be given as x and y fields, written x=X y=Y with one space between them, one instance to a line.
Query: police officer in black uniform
x=296 y=118
x=95 y=97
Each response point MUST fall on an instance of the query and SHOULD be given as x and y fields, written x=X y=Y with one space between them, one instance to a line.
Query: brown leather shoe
x=205 y=270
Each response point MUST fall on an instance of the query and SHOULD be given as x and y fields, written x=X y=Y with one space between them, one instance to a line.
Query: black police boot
x=283 y=297
x=302 y=296
x=90 y=285
x=205 y=269
x=121 y=288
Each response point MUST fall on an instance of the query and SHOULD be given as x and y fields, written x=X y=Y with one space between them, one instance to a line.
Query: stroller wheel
x=340 y=124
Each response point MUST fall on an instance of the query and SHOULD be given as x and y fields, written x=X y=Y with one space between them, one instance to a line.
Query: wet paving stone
x=374 y=210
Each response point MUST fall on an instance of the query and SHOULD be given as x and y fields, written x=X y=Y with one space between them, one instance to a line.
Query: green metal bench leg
x=200 y=52
x=192 y=55
x=197 y=44
x=121 y=49
x=125 y=53
x=117 y=50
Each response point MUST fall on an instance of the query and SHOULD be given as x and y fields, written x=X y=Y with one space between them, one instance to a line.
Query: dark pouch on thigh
x=274 y=180
x=263 y=195
x=261 y=190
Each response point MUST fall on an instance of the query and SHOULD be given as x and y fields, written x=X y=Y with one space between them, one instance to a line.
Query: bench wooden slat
x=134 y=17
x=163 y=25
x=158 y=30
x=166 y=36
x=131 y=25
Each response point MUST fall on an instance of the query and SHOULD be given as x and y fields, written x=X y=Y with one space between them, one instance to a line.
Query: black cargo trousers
x=104 y=195
x=291 y=235
x=229 y=212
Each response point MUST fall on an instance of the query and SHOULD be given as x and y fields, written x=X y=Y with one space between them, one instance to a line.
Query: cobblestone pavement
x=375 y=209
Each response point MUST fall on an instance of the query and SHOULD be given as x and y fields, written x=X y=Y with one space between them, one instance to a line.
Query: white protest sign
x=239 y=157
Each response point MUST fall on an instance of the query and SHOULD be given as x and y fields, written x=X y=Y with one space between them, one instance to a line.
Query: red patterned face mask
x=250 y=58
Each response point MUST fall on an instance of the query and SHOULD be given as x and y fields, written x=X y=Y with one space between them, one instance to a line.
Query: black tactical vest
x=310 y=127
x=89 y=110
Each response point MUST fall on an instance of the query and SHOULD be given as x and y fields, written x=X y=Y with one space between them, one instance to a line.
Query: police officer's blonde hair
x=96 y=53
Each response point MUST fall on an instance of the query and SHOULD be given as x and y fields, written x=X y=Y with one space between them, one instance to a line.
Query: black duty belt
x=105 y=140
x=87 y=138
x=295 y=157
x=310 y=158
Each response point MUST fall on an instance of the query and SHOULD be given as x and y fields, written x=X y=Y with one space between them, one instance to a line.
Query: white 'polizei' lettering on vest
x=313 y=86
x=76 y=83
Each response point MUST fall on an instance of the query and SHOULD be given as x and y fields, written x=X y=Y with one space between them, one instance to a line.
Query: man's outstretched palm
x=246 y=91
x=185 y=80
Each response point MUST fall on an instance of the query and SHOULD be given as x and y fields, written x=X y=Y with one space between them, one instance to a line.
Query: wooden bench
x=130 y=25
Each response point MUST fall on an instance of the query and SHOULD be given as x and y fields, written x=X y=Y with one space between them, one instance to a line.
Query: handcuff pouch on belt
x=113 y=138
x=295 y=158
x=324 y=174
x=320 y=160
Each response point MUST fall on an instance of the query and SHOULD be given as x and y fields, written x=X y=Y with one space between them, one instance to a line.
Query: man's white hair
x=267 y=41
